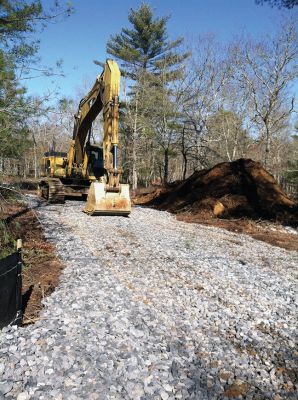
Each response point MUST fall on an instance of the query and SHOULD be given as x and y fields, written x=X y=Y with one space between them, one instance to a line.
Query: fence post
x=19 y=314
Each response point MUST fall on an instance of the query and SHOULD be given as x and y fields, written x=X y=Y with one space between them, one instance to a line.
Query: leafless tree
x=208 y=74
x=266 y=70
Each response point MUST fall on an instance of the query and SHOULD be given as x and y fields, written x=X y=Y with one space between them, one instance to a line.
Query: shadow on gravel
x=237 y=368
x=26 y=297
x=209 y=376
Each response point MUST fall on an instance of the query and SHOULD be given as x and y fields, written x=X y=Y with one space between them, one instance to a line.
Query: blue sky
x=82 y=37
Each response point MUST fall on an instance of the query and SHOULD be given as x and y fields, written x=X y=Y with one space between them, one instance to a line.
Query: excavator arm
x=111 y=121
x=104 y=95
x=106 y=195
x=89 y=108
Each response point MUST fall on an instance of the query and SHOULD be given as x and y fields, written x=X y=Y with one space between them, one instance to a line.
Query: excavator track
x=52 y=190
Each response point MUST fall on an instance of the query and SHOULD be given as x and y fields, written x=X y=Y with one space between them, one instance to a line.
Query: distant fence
x=11 y=289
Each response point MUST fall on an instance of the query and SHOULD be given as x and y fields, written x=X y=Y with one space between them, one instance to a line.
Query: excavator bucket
x=102 y=200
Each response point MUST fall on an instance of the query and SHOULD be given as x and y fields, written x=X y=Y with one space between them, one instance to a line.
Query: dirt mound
x=242 y=188
x=147 y=195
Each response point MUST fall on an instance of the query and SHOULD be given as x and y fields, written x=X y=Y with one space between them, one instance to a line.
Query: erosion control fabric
x=10 y=290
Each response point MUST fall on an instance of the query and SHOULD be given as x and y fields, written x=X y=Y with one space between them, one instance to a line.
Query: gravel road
x=152 y=308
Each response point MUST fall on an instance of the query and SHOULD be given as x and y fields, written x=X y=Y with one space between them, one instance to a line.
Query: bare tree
x=208 y=74
x=266 y=71
x=227 y=137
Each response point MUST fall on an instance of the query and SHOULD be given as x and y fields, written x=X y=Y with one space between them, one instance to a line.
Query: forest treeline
x=185 y=104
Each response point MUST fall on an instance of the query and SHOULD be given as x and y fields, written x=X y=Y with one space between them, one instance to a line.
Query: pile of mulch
x=240 y=196
x=242 y=188
x=42 y=268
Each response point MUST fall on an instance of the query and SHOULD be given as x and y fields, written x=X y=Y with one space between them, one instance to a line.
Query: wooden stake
x=19 y=244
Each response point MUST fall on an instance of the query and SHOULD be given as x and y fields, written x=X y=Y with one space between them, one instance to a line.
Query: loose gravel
x=152 y=308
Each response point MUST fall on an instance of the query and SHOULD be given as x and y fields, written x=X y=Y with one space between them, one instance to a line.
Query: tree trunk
x=24 y=169
x=267 y=147
x=183 y=151
x=134 y=173
x=184 y=165
x=166 y=166
x=35 y=160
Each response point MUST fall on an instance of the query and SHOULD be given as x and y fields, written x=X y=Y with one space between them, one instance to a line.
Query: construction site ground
x=43 y=268
x=240 y=196
x=39 y=256
x=270 y=232
x=149 y=307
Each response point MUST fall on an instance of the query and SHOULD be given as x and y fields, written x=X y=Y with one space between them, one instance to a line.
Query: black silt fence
x=11 y=289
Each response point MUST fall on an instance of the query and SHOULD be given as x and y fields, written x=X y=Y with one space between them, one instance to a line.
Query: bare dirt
x=42 y=268
x=240 y=196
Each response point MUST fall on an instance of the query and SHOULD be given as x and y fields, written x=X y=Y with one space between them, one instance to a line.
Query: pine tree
x=279 y=3
x=146 y=45
x=152 y=62
x=13 y=110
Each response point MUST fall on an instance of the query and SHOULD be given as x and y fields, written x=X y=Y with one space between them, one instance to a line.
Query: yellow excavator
x=88 y=169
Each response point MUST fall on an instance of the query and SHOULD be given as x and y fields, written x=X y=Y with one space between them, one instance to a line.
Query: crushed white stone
x=152 y=308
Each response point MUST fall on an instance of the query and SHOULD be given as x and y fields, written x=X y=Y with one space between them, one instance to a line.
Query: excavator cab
x=95 y=162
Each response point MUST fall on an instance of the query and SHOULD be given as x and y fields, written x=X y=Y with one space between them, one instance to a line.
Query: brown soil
x=147 y=195
x=239 y=196
x=236 y=390
x=41 y=269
